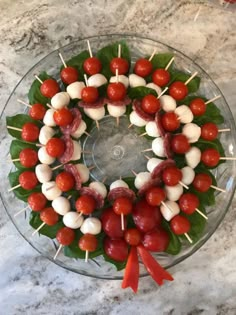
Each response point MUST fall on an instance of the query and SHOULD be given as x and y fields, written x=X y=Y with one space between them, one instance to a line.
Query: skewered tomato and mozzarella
x=28 y=180
x=45 y=134
x=100 y=188
x=188 y=175
x=73 y=220
x=74 y=89
x=143 y=67
x=155 y=87
x=37 y=111
x=49 y=88
x=61 y=205
x=184 y=113
x=193 y=157
x=135 y=80
x=150 y=104
x=173 y=193
x=51 y=190
x=44 y=157
x=136 y=120
x=151 y=129
x=91 y=225
x=60 y=100
x=192 y=132
x=168 y=103
x=97 y=80
x=28 y=157
x=158 y=147
x=37 y=201
x=141 y=179
x=30 y=132
x=43 y=173
x=121 y=78
x=152 y=163
x=161 y=77
x=48 y=119
x=69 y=75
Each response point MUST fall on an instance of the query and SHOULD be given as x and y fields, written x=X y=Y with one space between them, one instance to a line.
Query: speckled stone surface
x=204 y=283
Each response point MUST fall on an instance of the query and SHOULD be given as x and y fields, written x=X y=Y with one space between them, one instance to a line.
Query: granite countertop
x=206 y=282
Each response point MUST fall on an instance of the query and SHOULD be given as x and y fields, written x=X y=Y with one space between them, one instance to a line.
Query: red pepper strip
x=131 y=275
x=153 y=267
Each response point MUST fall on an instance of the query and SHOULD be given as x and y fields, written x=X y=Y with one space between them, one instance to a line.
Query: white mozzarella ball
x=60 y=100
x=169 y=210
x=173 y=193
x=44 y=157
x=193 y=157
x=135 y=80
x=45 y=134
x=99 y=188
x=151 y=129
x=81 y=129
x=152 y=163
x=77 y=151
x=74 y=89
x=141 y=179
x=50 y=190
x=73 y=220
x=97 y=80
x=118 y=183
x=43 y=173
x=154 y=87
x=168 y=103
x=192 y=132
x=158 y=147
x=48 y=119
x=121 y=78
x=188 y=175
x=184 y=113
x=91 y=226
x=136 y=120
x=95 y=113
x=116 y=111
x=83 y=172
x=61 y=205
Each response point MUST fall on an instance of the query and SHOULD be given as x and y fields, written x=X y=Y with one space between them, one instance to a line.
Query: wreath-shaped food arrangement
x=154 y=210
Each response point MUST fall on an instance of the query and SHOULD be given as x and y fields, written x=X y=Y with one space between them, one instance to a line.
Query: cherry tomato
x=122 y=205
x=202 y=182
x=188 y=203
x=210 y=157
x=89 y=94
x=116 y=249
x=161 y=77
x=133 y=237
x=63 y=117
x=150 y=104
x=156 y=240
x=88 y=242
x=116 y=91
x=155 y=195
x=180 y=144
x=37 y=201
x=178 y=90
x=209 y=131
x=92 y=65
x=49 y=216
x=28 y=157
x=111 y=223
x=55 y=147
x=170 y=121
x=65 y=236
x=143 y=67
x=65 y=181
x=119 y=63
x=198 y=107
x=180 y=225
x=171 y=176
x=69 y=75
x=49 y=88
x=85 y=204
x=28 y=180
x=37 y=111
x=30 y=132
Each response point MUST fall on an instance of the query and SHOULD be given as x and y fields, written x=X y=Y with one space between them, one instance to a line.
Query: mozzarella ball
x=154 y=87
x=158 y=147
x=173 y=193
x=95 y=113
x=169 y=210
x=77 y=151
x=61 y=205
x=118 y=183
x=184 y=113
x=136 y=120
x=45 y=134
x=193 y=157
x=152 y=163
x=50 y=190
x=43 y=173
x=188 y=175
x=192 y=132
x=91 y=226
x=73 y=220
x=116 y=111
x=74 y=89
x=44 y=158
x=83 y=172
x=135 y=80
x=151 y=129
x=81 y=129
x=99 y=188
x=168 y=103
x=48 y=119
x=60 y=100
x=97 y=80
x=141 y=179
x=121 y=78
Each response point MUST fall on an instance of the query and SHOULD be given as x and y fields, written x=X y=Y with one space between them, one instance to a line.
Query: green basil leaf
x=162 y=60
x=18 y=121
x=78 y=61
x=15 y=149
x=34 y=95
x=175 y=245
x=119 y=265
x=193 y=85
x=140 y=91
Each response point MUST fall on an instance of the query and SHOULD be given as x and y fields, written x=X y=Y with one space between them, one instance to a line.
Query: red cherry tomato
x=37 y=111
x=171 y=176
x=28 y=157
x=209 y=131
x=49 y=216
x=180 y=144
x=28 y=180
x=49 y=88
x=150 y=104
x=188 y=203
x=122 y=205
x=89 y=94
x=37 y=201
x=202 y=182
x=63 y=117
x=69 y=75
x=92 y=65
x=85 y=204
x=161 y=77
x=30 y=132
x=180 y=225
x=88 y=242
x=143 y=67
x=111 y=223
x=119 y=63
x=210 y=157
x=116 y=91
x=55 y=147
x=178 y=90
x=65 y=181
x=133 y=237
x=198 y=107
x=170 y=121
x=116 y=249
x=156 y=240
x=154 y=196
x=65 y=236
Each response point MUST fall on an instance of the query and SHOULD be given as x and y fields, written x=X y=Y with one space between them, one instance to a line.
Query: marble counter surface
x=204 y=283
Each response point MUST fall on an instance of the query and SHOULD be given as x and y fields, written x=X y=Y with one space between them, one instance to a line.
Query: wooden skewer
x=104 y=179
x=163 y=92
x=22 y=210
x=15 y=160
x=78 y=218
x=86 y=152
x=39 y=228
x=224 y=130
x=87 y=134
x=69 y=197
x=24 y=103
x=228 y=158
x=122 y=222
x=169 y=63
x=153 y=54
x=51 y=187
x=147 y=157
x=86 y=80
x=14 y=128
x=91 y=167
x=135 y=174
x=117 y=76
x=97 y=124
x=217 y=188
x=191 y=78
x=166 y=206
x=89 y=49
x=49 y=106
x=37 y=78
x=147 y=150
x=58 y=251
x=143 y=134
x=39 y=145
x=56 y=167
x=86 y=256
x=119 y=50
x=62 y=60
x=182 y=184
x=188 y=238
x=117 y=121
x=213 y=99
x=130 y=126
x=202 y=214
x=15 y=187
